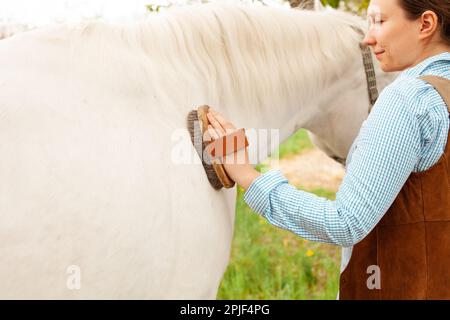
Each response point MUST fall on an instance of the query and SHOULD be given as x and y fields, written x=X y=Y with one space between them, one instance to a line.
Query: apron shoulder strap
x=442 y=85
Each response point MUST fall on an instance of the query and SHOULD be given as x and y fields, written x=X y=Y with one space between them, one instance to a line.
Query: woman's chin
x=386 y=67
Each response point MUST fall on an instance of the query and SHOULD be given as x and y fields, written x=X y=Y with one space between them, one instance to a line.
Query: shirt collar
x=420 y=67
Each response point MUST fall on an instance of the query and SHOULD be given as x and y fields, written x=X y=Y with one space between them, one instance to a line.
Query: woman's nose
x=369 y=39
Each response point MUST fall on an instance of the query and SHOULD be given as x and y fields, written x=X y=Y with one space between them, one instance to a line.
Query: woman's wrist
x=243 y=174
x=252 y=174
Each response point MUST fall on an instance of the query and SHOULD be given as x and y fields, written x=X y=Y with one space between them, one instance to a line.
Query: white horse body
x=88 y=180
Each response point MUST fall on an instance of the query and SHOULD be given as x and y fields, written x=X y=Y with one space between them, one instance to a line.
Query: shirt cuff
x=257 y=195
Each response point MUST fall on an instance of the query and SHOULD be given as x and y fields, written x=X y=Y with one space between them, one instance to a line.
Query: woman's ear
x=429 y=24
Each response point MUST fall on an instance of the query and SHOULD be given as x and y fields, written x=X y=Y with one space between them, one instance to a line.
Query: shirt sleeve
x=387 y=149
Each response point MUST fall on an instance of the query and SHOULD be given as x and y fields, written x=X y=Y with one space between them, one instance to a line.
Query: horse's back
x=89 y=190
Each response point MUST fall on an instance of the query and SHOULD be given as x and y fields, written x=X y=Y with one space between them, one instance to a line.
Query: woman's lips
x=378 y=54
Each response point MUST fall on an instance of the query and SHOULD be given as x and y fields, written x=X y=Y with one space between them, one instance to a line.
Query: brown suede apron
x=410 y=246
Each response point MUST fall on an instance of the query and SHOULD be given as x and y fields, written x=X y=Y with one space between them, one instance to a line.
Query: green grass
x=271 y=263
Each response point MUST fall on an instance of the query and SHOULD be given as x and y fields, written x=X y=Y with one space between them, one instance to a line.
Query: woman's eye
x=374 y=22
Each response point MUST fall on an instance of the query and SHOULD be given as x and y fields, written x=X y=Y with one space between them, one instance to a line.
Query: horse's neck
x=342 y=111
x=280 y=88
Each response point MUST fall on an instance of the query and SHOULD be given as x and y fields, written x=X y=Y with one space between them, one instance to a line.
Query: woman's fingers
x=227 y=125
x=216 y=124
x=218 y=121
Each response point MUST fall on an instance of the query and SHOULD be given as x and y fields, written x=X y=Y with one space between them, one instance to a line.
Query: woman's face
x=393 y=38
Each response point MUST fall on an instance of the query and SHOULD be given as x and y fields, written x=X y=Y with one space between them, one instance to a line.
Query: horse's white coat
x=87 y=120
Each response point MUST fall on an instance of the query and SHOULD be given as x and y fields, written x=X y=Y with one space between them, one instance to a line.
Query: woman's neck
x=432 y=49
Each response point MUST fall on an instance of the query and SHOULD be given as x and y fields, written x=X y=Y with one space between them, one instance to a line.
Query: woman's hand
x=236 y=164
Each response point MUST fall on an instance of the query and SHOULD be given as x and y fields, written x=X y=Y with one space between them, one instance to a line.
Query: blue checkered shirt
x=405 y=132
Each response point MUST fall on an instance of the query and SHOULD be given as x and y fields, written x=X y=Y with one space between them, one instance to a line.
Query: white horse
x=92 y=202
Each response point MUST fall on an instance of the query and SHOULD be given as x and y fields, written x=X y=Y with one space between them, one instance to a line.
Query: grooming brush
x=197 y=123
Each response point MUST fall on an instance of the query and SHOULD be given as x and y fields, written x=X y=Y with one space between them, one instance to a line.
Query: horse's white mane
x=223 y=54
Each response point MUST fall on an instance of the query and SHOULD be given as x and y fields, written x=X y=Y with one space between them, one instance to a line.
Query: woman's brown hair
x=415 y=8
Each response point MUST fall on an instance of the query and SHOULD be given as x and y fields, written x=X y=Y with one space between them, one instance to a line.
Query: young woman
x=393 y=205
